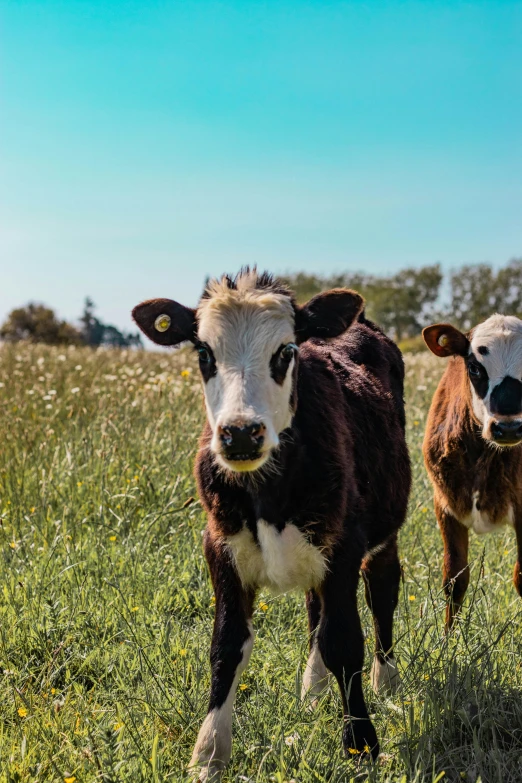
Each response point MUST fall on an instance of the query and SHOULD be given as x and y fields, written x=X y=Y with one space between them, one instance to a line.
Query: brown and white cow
x=304 y=473
x=472 y=445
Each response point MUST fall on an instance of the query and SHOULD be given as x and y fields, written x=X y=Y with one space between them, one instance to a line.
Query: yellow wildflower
x=112 y=538
x=243 y=686
x=185 y=373
x=22 y=712
x=263 y=606
x=135 y=608
x=70 y=779
x=183 y=653
x=411 y=597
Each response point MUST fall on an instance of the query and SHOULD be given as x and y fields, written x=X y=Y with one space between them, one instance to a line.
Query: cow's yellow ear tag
x=443 y=340
x=162 y=322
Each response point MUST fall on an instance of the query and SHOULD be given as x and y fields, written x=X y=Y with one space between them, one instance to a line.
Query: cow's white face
x=247 y=354
x=493 y=357
x=494 y=365
x=246 y=330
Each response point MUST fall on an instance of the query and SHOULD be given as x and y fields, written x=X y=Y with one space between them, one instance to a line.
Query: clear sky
x=146 y=144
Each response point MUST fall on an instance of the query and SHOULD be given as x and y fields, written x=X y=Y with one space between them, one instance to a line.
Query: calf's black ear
x=445 y=340
x=166 y=322
x=328 y=314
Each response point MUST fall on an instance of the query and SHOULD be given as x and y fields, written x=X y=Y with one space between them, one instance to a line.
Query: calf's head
x=247 y=331
x=492 y=353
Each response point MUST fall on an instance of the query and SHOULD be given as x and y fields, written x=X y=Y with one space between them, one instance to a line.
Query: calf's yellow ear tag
x=162 y=323
x=443 y=340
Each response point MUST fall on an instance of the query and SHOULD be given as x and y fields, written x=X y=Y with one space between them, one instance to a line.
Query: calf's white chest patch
x=481 y=522
x=279 y=561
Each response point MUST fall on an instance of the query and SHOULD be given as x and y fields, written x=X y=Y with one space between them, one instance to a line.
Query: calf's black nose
x=242 y=442
x=506 y=431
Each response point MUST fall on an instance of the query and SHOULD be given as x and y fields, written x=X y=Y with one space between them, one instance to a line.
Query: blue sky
x=144 y=145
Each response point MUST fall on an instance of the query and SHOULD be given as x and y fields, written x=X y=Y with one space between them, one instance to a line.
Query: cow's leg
x=455 y=571
x=382 y=574
x=341 y=645
x=315 y=677
x=232 y=643
x=517 y=574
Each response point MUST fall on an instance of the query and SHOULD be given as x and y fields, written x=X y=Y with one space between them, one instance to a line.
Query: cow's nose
x=242 y=442
x=506 y=431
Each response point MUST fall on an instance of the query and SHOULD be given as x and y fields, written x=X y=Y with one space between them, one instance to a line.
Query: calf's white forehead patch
x=501 y=335
x=239 y=324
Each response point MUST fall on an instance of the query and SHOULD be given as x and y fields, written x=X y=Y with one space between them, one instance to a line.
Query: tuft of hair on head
x=248 y=280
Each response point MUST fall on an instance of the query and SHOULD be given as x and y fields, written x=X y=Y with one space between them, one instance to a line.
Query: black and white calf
x=304 y=472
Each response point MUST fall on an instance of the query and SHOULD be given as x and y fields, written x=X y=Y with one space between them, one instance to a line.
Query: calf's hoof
x=209 y=773
x=360 y=740
x=384 y=676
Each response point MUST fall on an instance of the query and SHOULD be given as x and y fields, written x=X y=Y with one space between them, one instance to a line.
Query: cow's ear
x=166 y=322
x=445 y=340
x=328 y=314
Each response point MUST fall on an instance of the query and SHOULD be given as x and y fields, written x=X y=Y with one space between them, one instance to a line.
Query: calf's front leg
x=341 y=645
x=455 y=571
x=517 y=574
x=232 y=643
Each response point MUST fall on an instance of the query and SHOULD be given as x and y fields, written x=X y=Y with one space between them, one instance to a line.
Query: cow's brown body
x=477 y=484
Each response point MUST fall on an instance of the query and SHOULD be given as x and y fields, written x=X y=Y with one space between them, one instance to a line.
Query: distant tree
x=478 y=291
x=92 y=328
x=508 y=287
x=304 y=285
x=405 y=302
x=401 y=304
x=38 y=324
x=96 y=333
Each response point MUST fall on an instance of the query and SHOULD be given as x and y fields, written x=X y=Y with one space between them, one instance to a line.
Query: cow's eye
x=473 y=369
x=204 y=355
x=288 y=352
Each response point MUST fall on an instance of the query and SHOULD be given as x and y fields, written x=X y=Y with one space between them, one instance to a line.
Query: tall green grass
x=106 y=607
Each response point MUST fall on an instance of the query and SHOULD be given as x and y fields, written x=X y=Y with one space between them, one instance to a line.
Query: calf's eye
x=204 y=355
x=473 y=369
x=288 y=352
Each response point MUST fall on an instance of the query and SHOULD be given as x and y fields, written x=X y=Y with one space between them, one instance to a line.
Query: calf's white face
x=246 y=332
x=493 y=356
x=247 y=353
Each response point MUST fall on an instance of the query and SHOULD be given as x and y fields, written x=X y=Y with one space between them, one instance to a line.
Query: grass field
x=106 y=607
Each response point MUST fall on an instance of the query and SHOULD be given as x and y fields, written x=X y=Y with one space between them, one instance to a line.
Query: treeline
x=402 y=304
x=407 y=301
x=37 y=323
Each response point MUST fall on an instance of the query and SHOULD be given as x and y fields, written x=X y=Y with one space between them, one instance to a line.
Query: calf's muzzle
x=506 y=433
x=242 y=442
